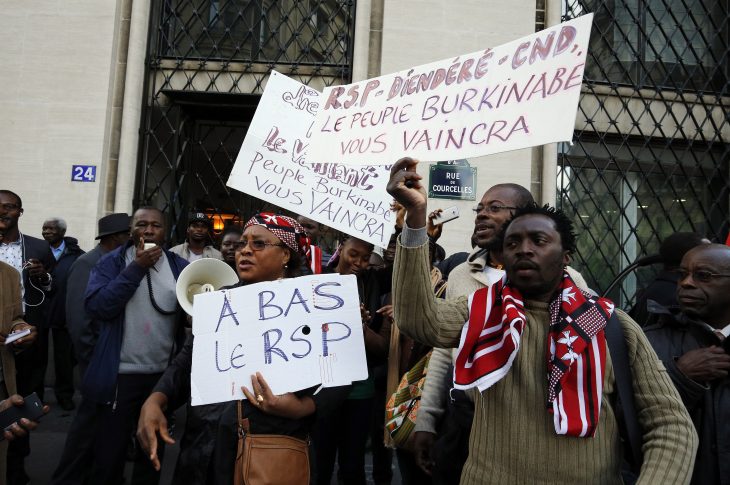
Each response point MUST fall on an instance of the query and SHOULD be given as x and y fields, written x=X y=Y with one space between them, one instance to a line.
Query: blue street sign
x=83 y=173
x=453 y=179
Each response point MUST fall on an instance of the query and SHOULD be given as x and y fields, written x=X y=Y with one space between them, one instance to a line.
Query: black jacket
x=707 y=402
x=35 y=297
x=208 y=447
x=57 y=302
x=80 y=325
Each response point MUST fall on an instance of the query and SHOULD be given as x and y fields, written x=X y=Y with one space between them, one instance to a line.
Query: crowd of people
x=523 y=373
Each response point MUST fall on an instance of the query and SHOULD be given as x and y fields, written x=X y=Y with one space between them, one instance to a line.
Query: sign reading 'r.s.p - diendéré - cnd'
x=517 y=95
x=298 y=332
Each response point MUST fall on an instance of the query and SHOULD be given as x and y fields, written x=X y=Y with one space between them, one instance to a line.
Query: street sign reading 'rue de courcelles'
x=453 y=179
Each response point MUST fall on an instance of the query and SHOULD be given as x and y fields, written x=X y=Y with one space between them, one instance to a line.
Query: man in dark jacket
x=32 y=258
x=66 y=250
x=113 y=231
x=131 y=293
x=693 y=347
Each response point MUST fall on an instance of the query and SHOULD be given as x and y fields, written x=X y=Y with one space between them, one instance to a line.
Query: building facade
x=163 y=91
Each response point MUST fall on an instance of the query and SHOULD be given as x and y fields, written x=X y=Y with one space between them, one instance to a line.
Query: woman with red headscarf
x=272 y=247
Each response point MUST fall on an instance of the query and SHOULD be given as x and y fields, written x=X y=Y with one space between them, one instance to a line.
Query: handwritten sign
x=273 y=165
x=516 y=95
x=298 y=332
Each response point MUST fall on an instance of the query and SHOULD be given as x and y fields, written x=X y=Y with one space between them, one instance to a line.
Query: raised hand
x=406 y=188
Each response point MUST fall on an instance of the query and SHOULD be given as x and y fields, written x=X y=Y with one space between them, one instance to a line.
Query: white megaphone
x=202 y=276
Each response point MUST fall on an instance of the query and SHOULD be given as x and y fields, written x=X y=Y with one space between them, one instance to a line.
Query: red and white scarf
x=576 y=349
x=315 y=259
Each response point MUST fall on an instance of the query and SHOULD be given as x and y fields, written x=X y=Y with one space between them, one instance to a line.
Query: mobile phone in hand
x=446 y=215
x=32 y=409
x=16 y=335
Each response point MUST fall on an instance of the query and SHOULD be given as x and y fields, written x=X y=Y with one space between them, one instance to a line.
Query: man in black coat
x=661 y=293
x=113 y=231
x=66 y=250
x=33 y=259
x=693 y=345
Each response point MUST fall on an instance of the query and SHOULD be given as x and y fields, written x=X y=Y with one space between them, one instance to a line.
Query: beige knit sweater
x=513 y=440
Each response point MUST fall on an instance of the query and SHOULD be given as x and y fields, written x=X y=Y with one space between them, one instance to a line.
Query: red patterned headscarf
x=285 y=228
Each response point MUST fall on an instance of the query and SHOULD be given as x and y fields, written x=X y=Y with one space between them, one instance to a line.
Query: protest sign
x=273 y=165
x=517 y=95
x=298 y=332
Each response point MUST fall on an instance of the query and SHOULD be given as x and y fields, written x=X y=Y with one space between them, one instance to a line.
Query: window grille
x=650 y=151
x=208 y=62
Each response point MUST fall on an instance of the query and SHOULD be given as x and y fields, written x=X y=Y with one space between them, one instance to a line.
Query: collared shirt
x=12 y=253
x=722 y=333
x=57 y=252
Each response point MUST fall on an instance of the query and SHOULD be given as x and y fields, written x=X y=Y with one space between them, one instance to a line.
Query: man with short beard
x=131 y=294
x=443 y=407
x=532 y=352
x=198 y=240
x=693 y=345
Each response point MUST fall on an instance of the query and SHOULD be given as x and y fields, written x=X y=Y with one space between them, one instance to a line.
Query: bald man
x=693 y=345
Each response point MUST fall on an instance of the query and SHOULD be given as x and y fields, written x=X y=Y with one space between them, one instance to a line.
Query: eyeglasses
x=10 y=207
x=493 y=209
x=256 y=245
x=701 y=275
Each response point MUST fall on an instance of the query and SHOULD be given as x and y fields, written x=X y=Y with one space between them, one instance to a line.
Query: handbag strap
x=629 y=425
x=243 y=424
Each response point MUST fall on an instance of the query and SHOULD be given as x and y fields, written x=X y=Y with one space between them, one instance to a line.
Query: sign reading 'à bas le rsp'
x=298 y=332
x=453 y=179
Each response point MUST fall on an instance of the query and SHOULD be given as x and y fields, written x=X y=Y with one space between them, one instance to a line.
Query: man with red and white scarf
x=532 y=353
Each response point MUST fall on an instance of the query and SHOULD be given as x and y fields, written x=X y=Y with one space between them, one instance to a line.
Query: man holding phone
x=33 y=260
x=694 y=348
x=11 y=323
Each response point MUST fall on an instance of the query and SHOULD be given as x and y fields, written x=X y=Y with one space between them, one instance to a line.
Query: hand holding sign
x=405 y=187
x=284 y=405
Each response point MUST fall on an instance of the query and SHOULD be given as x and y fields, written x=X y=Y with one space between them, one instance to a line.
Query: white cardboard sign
x=298 y=332
x=516 y=95
x=273 y=165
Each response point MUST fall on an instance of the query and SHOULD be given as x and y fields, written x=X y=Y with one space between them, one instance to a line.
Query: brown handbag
x=269 y=459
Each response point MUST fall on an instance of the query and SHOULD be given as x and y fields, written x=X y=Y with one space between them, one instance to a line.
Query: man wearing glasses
x=694 y=348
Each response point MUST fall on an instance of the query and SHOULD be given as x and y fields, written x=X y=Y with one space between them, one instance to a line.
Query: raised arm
x=419 y=314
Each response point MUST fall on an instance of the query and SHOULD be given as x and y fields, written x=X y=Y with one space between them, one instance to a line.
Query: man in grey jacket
x=113 y=231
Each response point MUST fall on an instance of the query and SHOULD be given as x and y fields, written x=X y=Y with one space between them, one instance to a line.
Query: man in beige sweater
x=516 y=437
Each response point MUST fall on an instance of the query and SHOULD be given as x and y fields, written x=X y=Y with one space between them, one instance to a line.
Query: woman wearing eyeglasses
x=272 y=247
